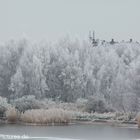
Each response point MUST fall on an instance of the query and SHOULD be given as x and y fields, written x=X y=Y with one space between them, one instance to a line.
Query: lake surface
x=82 y=132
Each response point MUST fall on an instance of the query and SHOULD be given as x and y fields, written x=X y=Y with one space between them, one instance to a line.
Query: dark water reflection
x=82 y=132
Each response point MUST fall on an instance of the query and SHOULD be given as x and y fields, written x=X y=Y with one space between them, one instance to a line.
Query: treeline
x=68 y=71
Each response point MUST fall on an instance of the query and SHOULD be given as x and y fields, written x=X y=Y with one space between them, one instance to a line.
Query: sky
x=54 y=19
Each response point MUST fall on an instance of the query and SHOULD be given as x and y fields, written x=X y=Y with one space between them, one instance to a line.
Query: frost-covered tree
x=17 y=84
x=10 y=55
x=29 y=79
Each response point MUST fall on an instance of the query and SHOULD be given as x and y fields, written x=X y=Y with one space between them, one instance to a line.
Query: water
x=82 y=132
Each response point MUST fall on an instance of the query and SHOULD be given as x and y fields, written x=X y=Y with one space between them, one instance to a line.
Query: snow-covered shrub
x=3 y=106
x=11 y=114
x=123 y=116
x=68 y=106
x=49 y=103
x=48 y=116
x=26 y=102
x=96 y=105
x=105 y=116
x=80 y=103
x=94 y=116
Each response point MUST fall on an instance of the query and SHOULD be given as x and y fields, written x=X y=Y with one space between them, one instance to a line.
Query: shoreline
x=80 y=122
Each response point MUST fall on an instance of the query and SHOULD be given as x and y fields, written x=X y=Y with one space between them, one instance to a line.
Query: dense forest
x=72 y=71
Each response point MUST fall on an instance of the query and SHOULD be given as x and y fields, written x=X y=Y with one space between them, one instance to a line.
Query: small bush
x=67 y=106
x=11 y=114
x=123 y=116
x=26 y=103
x=3 y=106
x=49 y=104
x=96 y=105
x=48 y=116
x=80 y=103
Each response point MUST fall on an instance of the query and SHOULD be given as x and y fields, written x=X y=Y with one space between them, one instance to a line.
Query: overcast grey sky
x=53 y=19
